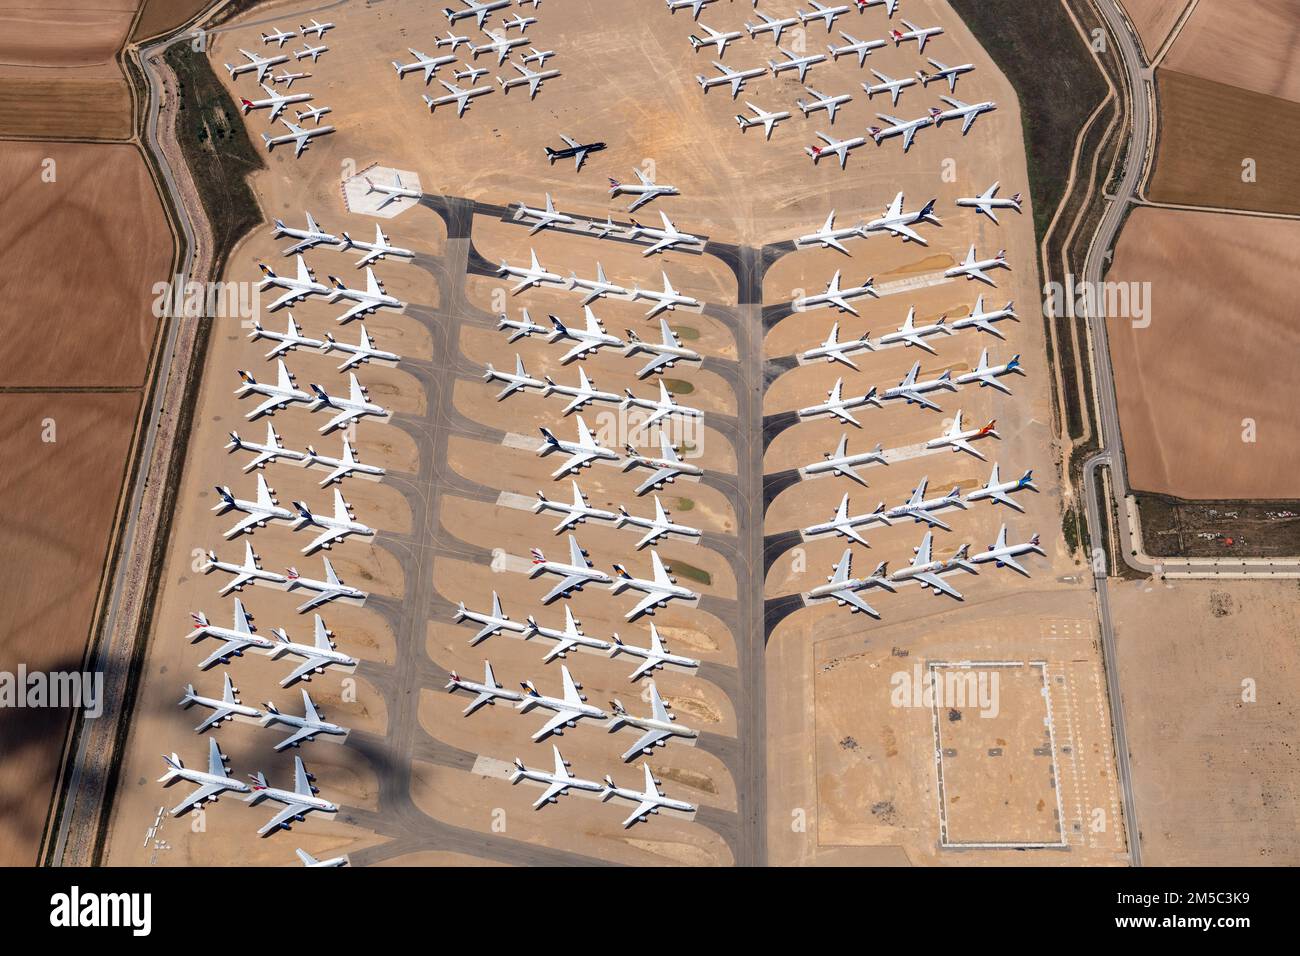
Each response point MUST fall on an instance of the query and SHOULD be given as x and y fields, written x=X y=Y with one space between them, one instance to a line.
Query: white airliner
x=909 y=333
x=794 y=62
x=258 y=63
x=648 y=801
x=287 y=340
x=900 y=223
x=558 y=783
x=348 y=410
x=455 y=94
x=669 y=237
x=314 y=52
x=305 y=728
x=842 y=587
x=891 y=6
x=666 y=467
x=659 y=727
x=913 y=392
x=334 y=528
x=733 y=78
x=367 y=300
x=520 y=23
x=452 y=40
x=522 y=328
x=581 y=453
x=312 y=235
x=537 y=56
x=861 y=48
x=653 y=657
x=310 y=861
x=340 y=468
x=295 y=287
x=921 y=509
x=316 y=27
x=913 y=32
x=316 y=656
x=973 y=268
x=278 y=396
x=470 y=73
x=658 y=590
x=278 y=37
x=833 y=350
x=364 y=351
x=960 y=440
x=644 y=190
x=267 y=453
x=488 y=692
x=391 y=193
x=888 y=85
x=1004 y=555
x=772 y=25
x=575 y=513
x=926 y=571
x=256 y=513
x=822 y=101
x=966 y=112
x=834 y=147
x=666 y=300
x=839 y=406
x=836 y=297
x=574 y=574
x=565 y=640
x=568 y=710
x=500 y=44
x=579 y=395
x=515 y=381
x=297 y=135
x=904 y=128
x=979 y=319
x=212 y=784
x=667 y=352
x=424 y=63
x=479 y=11
x=695 y=5
x=824 y=12
x=314 y=114
x=942 y=72
x=250 y=572
x=534 y=79
x=987 y=375
x=829 y=237
x=545 y=216
x=987 y=201
x=274 y=101
x=598 y=287
x=999 y=492
x=655 y=527
x=494 y=621
x=845 y=524
x=588 y=339
x=287 y=78
x=298 y=802
x=762 y=118
x=660 y=409
x=840 y=462
x=234 y=639
x=224 y=707
x=715 y=38
x=531 y=275
x=327 y=590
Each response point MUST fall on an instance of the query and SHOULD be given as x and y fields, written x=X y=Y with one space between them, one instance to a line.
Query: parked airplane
x=821 y=101
x=845 y=524
x=452 y=40
x=428 y=65
x=558 y=783
x=565 y=640
x=645 y=190
x=891 y=6
x=310 y=861
x=494 y=621
x=913 y=32
x=523 y=328
x=905 y=128
x=316 y=656
x=716 y=38
x=887 y=85
x=234 y=639
x=297 y=135
x=666 y=467
x=348 y=410
x=367 y=300
x=973 y=268
x=341 y=468
x=501 y=45
x=479 y=11
x=278 y=37
x=986 y=202
x=836 y=297
x=457 y=95
x=647 y=801
x=574 y=574
x=959 y=440
x=979 y=319
x=667 y=352
x=772 y=25
x=661 y=409
x=298 y=802
x=276 y=103
x=598 y=287
x=470 y=73
x=267 y=453
x=666 y=300
x=257 y=63
x=392 y=193
x=530 y=275
x=334 y=528
x=843 y=588
x=488 y=692
x=575 y=513
x=656 y=527
x=824 y=12
x=306 y=727
x=669 y=237
x=659 y=727
x=534 y=79
x=833 y=350
x=364 y=351
x=521 y=23
x=515 y=381
x=841 y=407
x=287 y=78
x=545 y=216
x=942 y=72
x=327 y=590
x=829 y=237
x=256 y=513
x=1004 y=555
x=926 y=571
x=839 y=148
x=793 y=62
x=287 y=340
x=250 y=572
x=734 y=78
x=223 y=707
x=581 y=394
x=653 y=657
x=568 y=710
x=588 y=339
x=537 y=56
x=695 y=5
x=900 y=223
x=920 y=508
x=317 y=28
x=572 y=148
x=658 y=590
x=314 y=114
x=277 y=396
x=314 y=52
x=295 y=287
x=966 y=112
x=861 y=48
x=909 y=333
x=913 y=392
x=212 y=784
x=987 y=375
x=581 y=453
x=840 y=462
x=999 y=492
x=762 y=118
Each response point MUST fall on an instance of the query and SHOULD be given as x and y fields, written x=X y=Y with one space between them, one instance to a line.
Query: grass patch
x=689 y=571
x=679 y=386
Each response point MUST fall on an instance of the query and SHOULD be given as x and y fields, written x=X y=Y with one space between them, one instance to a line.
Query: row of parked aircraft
x=299 y=134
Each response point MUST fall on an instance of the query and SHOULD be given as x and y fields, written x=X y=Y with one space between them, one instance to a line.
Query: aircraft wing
x=1003 y=498
x=222 y=653
x=555 y=723
x=562 y=646
x=646 y=604
x=198 y=796
x=1013 y=564
x=848 y=471
x=282 y=818
x=302 y=670
x=938 y=583
x=299 y=735
x=221 y=713
x=565 y=586
x=656 y=363
x=661 y=474
x=646 y=665
x=899 y=229
x=345 y=417
x=648 y=740
x=921 y=400
x=551 y=792
x=851 y=598
x=574 y=463
x=846 y=417
x=274 y=403
x=476 y=703
x=325 y=538
x=908 y=135
x=642 y=808
x=918 y=514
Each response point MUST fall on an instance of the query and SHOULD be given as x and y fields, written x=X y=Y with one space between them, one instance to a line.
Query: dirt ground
x=160 y=16
x=1208 y=673
x=1153 y=20
x=1195 y=445
x=57 y=501
x=1244 y=43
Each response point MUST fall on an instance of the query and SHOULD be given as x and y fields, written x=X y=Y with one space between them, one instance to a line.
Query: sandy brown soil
x=1244 y=43
x=1153 y=20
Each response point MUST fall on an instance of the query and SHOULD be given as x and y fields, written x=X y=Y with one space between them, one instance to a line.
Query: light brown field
x=1215 y=355
x=1245 y=43
x=1153 y=20
x=160 y=16
x=57 y=501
